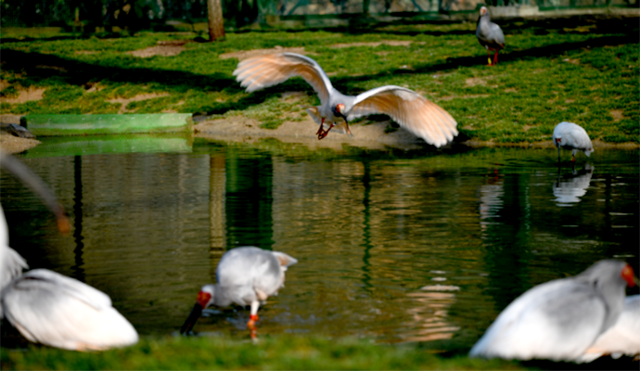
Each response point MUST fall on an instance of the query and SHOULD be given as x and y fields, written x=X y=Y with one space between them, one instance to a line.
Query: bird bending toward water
x=47 y=307
x=246 y=276
x=568 y=135
x=559 y=319
x=408 y=108
x=489 y=35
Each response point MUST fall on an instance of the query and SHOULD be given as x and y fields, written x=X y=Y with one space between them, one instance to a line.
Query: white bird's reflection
x=569 y=188
x=431 y=312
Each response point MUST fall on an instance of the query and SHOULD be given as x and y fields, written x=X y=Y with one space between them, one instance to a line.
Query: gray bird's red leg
x=321 y=129
x=495 y=58
x=324 y=134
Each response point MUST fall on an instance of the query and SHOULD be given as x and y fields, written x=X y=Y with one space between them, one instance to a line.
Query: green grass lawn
x=581 y=70
x=276 y=353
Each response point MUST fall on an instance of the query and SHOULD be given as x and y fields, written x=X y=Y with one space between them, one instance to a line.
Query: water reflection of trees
x=369 y=235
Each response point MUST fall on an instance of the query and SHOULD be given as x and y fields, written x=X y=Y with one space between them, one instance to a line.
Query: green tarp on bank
x=57 y=125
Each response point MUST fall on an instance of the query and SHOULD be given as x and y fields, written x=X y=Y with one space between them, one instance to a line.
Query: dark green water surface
x=398 y=247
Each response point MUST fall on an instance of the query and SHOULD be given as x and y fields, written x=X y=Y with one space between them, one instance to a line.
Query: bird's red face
x=340 y=108
x=558 y=140
x=203 y=299
x=483 y=11
x=627 y=275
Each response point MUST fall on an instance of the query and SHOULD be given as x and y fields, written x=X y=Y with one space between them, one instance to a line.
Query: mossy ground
x=583 y=70
x=277 y=353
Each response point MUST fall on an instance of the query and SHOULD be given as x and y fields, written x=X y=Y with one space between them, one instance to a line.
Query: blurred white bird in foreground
x=52 y=309
x=621 y=339
x=568 y=135
x=559 y=319
x=408 y=108
x=246 y=276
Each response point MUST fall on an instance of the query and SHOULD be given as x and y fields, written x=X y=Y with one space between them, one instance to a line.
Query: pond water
x=394 y=246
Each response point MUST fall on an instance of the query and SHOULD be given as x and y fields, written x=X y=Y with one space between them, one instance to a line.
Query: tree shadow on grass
x=79 y=73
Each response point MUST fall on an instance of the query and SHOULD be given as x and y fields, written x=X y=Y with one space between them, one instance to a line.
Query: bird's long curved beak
x=196 y=312
x=347 y=123
x=28 y=177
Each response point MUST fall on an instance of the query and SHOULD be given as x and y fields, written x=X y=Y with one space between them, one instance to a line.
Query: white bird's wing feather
x=623 y=337
x=11 y=263
x=267 y=70
x=557 y=320
x=412 y=111
x=61 y=312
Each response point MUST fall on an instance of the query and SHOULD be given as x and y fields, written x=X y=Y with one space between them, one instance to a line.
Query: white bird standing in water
x=559 y=319
x=621 y=339
x=246 y=276
x=489 y=35
x=52 y=309
x=408 y=108
x=568 y=135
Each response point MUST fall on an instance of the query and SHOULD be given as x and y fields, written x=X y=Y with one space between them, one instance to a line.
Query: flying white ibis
x=621 y=339
x=568 y=135
x=52 y=309
x=413 y=112
x=489 y=35
x=559 y=319
x=246 y=276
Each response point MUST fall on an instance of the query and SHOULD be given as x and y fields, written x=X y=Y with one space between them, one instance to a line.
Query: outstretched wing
x=267 y=70
x=409 y=109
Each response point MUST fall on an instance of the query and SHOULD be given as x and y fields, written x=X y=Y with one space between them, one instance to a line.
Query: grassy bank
x=277 y=353
x=581 y=70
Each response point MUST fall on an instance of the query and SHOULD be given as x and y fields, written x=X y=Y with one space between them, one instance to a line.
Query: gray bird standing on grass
x=47 y=307
x=246 y=276
x=559 y=319
x=489 y=35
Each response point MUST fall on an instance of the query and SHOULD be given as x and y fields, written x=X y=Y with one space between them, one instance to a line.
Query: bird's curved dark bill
x=196 y=312
x=28 y=177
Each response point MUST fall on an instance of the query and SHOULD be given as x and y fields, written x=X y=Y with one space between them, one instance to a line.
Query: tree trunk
x=216 y=23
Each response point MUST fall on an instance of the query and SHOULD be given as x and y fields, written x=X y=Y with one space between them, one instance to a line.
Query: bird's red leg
x=495 y=58
x=321 y=129
x=251 y=325
x=324 y=134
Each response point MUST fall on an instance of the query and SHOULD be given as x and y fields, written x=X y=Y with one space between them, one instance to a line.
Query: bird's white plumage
x=244 y=274
x=53 y=309
x=568 y=135
x=62 y=312
x=412 y=111
x=11 y=263
x=267 y=70
x=557 y=320
x=621 y=339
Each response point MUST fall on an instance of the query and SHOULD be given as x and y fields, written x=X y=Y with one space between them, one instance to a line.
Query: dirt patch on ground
x=12 y=144
x=25 y=95
x=617 y=115
x=473 y=81
x=510 y=90
x=164 y=49
x=137 y=98
x=85 y=52
x=243 y=129
x=466 y=96
x=4 y=84
x=376 y=43
x=244 y=54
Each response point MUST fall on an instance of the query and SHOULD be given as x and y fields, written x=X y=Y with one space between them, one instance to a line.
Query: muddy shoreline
x=370 y=135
